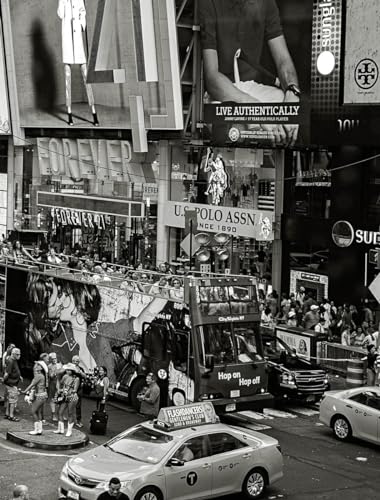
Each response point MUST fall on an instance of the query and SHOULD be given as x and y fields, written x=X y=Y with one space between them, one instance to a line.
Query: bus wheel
x=137 y=387
x=178 y=398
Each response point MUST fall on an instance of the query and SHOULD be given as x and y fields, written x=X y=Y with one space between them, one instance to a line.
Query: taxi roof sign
x=181 y=417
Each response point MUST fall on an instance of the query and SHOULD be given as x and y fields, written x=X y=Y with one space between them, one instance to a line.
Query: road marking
x=278 y=413
x=16 y=450
x=260 y=427
x=254 y=414
x=308 y=412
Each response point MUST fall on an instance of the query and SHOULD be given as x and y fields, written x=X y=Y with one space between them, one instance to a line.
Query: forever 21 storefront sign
x=256 y=224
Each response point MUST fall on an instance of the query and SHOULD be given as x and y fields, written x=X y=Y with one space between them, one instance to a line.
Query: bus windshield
x=225 y=300
x=229 y=343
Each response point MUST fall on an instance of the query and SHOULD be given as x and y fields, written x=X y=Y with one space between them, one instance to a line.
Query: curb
x=44 y=442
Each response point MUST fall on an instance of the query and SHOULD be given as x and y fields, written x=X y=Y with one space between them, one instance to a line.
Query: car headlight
x=65 y=468
x=104 y=484
x=288 y=378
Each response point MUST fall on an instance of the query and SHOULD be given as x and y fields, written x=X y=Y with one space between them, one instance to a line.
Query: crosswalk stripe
x=278 y=413
x=254 y=414
x=308 y=412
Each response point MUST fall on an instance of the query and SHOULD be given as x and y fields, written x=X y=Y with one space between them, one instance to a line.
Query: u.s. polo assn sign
x=256 y=224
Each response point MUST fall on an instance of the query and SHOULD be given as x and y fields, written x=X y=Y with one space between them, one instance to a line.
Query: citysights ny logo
x=344 y=234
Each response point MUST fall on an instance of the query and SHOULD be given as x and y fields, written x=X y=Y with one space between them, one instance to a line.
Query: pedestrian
x=53 y=368
x=21 y=492
x=80 y=373
x=102 y=384
x=311 y=318
x=37 y=395
x=150 y=399
x=345 y=338
x=6 y=355
x=12 y=377
x=371 y=358
x=377 y=369
x=114 y=487
x=292 y=319
x=367 y=314
x=67 y=398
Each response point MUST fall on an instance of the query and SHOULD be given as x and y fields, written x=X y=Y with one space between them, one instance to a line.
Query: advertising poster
x=110 y=63
x=256 y=63
x=345 y=85
x=298 y=342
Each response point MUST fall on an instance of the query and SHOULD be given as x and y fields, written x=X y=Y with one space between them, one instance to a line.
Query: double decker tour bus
x=201 y=340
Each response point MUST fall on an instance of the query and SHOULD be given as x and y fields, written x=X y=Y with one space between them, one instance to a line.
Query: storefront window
x=308 y=184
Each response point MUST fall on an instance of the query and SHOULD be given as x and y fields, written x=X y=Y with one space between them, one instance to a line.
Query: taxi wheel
x=255 y=484
x=341 y=428
x=149 y=493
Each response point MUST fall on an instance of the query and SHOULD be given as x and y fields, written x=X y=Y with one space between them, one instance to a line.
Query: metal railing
x=334 y=356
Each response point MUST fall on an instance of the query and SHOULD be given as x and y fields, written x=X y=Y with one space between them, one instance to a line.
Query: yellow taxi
x=185 y=454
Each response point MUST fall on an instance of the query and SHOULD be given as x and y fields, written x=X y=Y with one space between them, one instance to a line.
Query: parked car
x=352 y=412
x=291 y=376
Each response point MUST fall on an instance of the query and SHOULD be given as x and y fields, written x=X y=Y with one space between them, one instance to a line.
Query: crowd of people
x=61 y=386
x=338 y=323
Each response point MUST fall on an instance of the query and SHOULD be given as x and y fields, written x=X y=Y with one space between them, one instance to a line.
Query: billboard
x=256 y=61
x=85 y=63
x=345 y=86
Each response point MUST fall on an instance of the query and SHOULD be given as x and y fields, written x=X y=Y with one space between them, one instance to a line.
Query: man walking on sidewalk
x=12 y=377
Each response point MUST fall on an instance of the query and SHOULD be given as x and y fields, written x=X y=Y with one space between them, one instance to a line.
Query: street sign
x=373 y=255
x=374 y=288
x=190 y=244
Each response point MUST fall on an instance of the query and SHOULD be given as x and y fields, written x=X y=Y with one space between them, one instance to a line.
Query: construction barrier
x=335 y=356
x=355 y=372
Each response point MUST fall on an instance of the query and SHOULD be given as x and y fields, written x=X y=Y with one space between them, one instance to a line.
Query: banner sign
x=216 y=219
x=79 y=219
x=252 y=99
x=180 y=417
x=118 y=58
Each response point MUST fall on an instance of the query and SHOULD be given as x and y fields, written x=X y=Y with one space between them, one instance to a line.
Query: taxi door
x=231 y=460
x=193 y=479
x=365 y=416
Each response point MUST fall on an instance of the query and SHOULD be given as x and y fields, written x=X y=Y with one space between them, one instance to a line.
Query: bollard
x=355 y=373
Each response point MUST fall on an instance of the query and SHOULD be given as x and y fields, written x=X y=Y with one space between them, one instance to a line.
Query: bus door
x=156 y=347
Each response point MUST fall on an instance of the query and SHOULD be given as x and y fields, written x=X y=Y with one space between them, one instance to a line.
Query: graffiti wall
x=101 y=324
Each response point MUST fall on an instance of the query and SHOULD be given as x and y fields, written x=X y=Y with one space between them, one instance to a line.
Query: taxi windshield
x=142 y=444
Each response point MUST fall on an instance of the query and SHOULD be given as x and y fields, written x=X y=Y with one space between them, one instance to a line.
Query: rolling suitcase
x=98 y=422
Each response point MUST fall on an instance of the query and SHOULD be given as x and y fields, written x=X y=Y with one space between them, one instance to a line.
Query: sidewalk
x=121 y=416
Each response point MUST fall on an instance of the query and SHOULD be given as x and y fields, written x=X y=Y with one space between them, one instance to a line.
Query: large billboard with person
x=85 y=63
x=256 y=61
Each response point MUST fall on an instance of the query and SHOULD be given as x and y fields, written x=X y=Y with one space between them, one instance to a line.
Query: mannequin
x=73 y=16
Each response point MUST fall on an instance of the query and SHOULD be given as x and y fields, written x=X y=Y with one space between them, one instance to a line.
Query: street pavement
x=316 y=466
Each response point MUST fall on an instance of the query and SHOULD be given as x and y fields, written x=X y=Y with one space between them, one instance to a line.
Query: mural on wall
x=101 y=324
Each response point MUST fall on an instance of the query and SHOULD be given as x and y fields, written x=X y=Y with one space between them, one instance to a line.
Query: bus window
x=180 y=350
x=217 y=340
x=248 y=347
x=243 y=299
